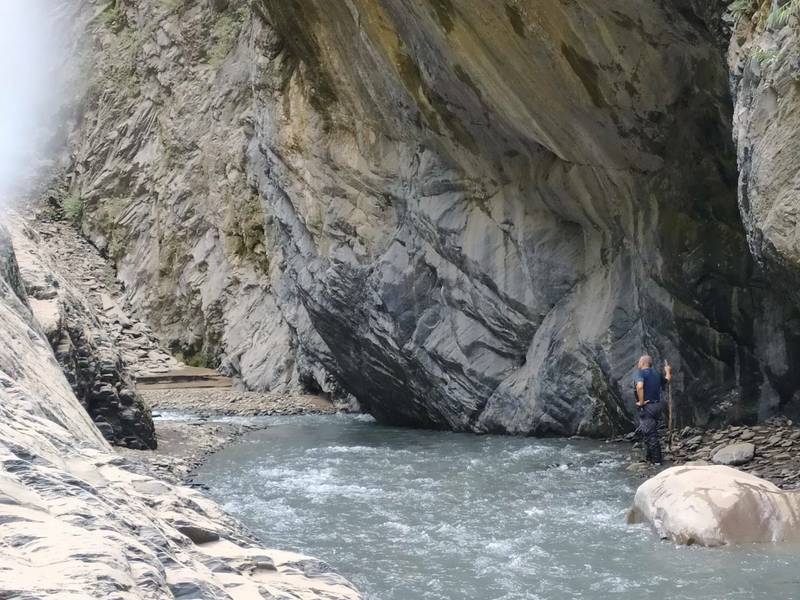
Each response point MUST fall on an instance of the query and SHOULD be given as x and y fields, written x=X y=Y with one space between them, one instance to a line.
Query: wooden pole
x=669 y=410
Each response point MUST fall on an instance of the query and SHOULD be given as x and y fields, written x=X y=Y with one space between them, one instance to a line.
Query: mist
x=30 y=51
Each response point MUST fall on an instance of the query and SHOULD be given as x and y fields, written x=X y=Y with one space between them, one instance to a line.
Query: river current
x=419 y=515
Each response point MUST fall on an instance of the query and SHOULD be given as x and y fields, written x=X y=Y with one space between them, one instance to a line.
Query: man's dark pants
x=649 y=415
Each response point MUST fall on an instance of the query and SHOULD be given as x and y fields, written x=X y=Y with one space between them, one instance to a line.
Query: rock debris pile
x=85 y=269
x=770 y=450
x=82 y=339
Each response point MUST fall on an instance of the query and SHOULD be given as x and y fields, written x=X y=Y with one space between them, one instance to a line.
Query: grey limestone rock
x=466 y=215
x=734 y=454
x=90 y=361
x=79 y=521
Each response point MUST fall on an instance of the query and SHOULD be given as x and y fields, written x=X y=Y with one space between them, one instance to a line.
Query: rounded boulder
x=734 y=454
x=716 y=505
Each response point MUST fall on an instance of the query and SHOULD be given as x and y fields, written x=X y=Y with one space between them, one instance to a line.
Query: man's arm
x=640 y=393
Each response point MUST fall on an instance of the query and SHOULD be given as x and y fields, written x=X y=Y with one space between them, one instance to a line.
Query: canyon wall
x=764 y=58
x=92 y=363
x=471 y=216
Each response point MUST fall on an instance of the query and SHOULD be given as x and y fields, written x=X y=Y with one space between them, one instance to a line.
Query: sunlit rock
x=79 y=521
x=716 y=505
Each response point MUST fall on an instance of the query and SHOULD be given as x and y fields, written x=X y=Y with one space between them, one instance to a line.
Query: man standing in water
x=649 y=383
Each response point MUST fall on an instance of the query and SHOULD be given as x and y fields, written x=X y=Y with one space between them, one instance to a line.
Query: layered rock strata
x=90 y=360
x=471 y=216
x=764 y=60
x=76 y=520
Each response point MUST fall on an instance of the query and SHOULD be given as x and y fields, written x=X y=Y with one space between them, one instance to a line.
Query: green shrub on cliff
x=743 y=8
x=225 y=32
x=765 y=57
x=72 y=205
x=113 y=18
x=200 y=360
x=781 y=15
x=773 y=14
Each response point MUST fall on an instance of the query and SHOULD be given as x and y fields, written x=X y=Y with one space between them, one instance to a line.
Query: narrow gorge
x=466 y=217
x=443 y=217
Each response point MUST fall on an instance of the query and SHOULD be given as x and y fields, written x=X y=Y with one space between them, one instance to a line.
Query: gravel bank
x=770 y=450
x=183 y=445
x=228 y=402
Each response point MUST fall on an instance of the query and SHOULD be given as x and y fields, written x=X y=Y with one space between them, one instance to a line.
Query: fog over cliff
x=31 y=48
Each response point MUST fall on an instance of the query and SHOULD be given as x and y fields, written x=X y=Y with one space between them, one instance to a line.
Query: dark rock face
x=475 y=216
x=541 y=207
x=103 y=386
x=765 y=71
x=9 y=270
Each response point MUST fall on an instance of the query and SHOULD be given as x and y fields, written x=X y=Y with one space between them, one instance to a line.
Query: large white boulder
x=715 y=505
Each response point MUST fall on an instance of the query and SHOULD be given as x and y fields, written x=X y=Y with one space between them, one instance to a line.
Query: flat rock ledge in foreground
x=716 y=505
x=79 y=521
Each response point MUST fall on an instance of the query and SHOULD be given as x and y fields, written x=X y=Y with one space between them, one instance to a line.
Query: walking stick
x=669 y=409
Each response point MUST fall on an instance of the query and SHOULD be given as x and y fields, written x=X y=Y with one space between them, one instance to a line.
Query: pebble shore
x=183 y=444
x=230 y=402
x=770 y=450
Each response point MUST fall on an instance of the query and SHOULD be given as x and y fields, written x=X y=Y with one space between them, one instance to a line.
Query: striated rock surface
x=468 y=215
x=764 y=60
x=76 y=520
x=161 y=171
x=90 y=359
x=716 y=505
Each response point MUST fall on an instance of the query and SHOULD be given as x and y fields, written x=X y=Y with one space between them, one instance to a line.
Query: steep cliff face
x=468 y=215
x=160 y=169
x=764 y=59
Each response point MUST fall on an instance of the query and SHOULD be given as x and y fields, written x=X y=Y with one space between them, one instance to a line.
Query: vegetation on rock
x=765 y=12
x=72 y=204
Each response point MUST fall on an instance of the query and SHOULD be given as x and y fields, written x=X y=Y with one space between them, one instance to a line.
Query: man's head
x=646 y=361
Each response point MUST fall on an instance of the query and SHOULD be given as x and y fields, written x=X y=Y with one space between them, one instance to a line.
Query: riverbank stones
x=734 y=454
